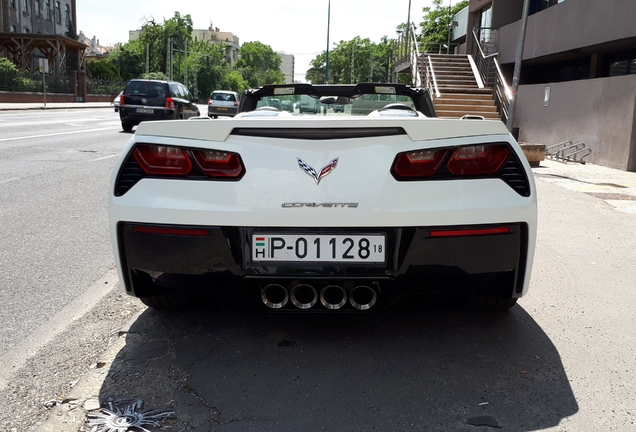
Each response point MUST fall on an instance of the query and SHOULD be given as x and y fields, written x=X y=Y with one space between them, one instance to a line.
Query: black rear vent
x=319 y=133
x=130 y=174
x=513 y=174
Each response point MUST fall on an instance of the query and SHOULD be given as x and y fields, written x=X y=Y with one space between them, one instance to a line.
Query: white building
x=287 y=66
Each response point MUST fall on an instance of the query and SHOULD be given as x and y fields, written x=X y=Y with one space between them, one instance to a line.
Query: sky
x=297 y=27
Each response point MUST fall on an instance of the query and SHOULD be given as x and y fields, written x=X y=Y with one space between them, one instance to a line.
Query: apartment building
x=287 y=67
x=578 y=75
x=35 y=29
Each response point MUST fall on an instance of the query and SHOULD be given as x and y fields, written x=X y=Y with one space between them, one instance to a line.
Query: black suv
x=145 y=100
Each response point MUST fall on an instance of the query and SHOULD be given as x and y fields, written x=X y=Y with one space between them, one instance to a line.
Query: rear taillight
x=210 y=101
x=169 y=103
x=163 y=160
x=216 y=163
x=478 y=159
x=445 y=163
x=421 y=163
x=177 y=161
x=121 y=101
x=235 y=103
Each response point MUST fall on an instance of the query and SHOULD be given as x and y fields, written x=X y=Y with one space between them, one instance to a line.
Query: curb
x=69 y=415
x=23 y=108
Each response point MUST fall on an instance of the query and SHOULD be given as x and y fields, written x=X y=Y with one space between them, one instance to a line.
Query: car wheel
x=127 y=127
x=480 y=302
x=172 y=300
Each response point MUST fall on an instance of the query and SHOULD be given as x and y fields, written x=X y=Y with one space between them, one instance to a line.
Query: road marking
x=8 y=180
x=103 y=157
x=54 y=134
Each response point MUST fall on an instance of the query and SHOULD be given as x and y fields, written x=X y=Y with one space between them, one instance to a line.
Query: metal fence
x=32 y=83
x=101 y=87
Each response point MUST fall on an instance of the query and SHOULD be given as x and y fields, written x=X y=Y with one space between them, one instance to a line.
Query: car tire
x=127 y=127
x=172 y=301
x=480 y=302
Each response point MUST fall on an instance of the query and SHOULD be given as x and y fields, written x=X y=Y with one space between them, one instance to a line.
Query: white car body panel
x=362 y=176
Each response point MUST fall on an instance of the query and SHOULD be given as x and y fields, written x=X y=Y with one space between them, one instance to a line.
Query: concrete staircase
x=460 y=94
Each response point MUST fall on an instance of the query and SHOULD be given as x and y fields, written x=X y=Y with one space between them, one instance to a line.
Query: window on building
x=58 y=13
x=47 y=6
x=12 y=4
x=26 y=30
x=67 y=15
x=13 y=29
x=36 y=12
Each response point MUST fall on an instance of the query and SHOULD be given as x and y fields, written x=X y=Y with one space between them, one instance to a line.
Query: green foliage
x=129 y=60
x=102 y=70
x=354 y=61
x=259 y=64
x=155 y=76
x=235 y=81
x=7 y=66
x=436 y=19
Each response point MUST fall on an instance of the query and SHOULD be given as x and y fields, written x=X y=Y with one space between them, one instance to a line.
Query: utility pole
x=517 y=71
x=147 y=58
x=186 y=64
x=353 y=62
x=327 y=60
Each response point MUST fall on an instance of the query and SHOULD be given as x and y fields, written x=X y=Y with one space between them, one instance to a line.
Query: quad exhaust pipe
x=304 y=296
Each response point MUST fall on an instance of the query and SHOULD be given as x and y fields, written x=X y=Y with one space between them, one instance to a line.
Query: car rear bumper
x=129 y=114
x=218 y=259
x=222 y=111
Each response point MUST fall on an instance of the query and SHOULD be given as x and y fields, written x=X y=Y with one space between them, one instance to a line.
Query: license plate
x=222 y=109
x=319 y=248
x=144 y=111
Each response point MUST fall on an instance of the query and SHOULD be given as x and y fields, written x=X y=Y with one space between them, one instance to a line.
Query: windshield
x=354 y=106
x=375 y=99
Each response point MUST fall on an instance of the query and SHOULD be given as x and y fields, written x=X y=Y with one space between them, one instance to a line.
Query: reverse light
x=478 y=159
x=163 y=160
x=215 y=163
x=169 y=104
x=421 y=163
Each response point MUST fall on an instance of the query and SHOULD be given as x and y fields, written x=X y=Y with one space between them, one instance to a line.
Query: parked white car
x=327 y=212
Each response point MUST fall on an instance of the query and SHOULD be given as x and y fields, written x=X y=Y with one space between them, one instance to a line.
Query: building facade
x=287 y=67
x=53 y=17
x=578 y=75
x=36 y=29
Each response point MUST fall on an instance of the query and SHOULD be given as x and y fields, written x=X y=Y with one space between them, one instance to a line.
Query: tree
x=259 y=64
x=436 y=20
x=102 y=70
x=129 y=59
x=354 y=61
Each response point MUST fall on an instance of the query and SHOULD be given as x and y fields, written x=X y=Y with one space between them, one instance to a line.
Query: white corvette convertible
x=366 y=199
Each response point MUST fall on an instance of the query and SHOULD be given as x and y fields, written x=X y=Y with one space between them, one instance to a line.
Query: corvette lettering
x=327 y=205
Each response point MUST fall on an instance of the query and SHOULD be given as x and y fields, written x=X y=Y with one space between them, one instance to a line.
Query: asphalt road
x=561 y=360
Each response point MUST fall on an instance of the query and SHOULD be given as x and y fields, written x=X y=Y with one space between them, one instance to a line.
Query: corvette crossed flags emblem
x=323 y=171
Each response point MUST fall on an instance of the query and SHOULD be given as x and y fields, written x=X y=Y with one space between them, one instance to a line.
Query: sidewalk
x=615 y=187
x=54 y=105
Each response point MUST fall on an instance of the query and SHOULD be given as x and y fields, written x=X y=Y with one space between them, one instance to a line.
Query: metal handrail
x=501 y=89
x=415 y=56
x=430 y=65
